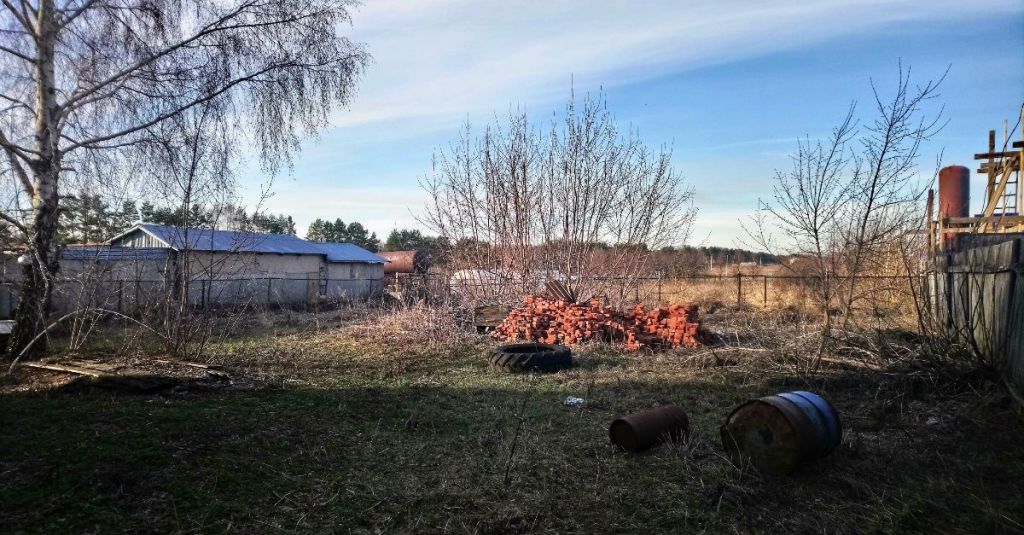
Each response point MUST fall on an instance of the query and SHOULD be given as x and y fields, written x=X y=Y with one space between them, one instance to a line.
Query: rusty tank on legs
x=638 y=432
x=954 y=199
x=954 y=191
x=405 y=261
x=778 y=433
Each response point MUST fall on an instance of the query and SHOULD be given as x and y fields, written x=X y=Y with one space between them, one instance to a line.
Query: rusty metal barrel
x=639 y=431
x=778 y=433
x=405 y=261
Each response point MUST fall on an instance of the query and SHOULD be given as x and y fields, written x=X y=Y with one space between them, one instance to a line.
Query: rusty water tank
x=954 y=191
x=639 y=431
x=414 y=261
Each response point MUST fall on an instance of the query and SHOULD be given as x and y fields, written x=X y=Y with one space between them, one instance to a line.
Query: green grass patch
x=355 y=436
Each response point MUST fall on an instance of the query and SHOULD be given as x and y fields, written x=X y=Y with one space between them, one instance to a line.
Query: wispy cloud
x=439 y=61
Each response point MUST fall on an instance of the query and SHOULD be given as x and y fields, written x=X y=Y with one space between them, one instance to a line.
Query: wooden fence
x=978 y=296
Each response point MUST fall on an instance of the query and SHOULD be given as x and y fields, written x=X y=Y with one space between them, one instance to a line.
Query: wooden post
x=739 y=289
x=991 y=186
x=766 y=291
x=270 y=281
x=950 y=281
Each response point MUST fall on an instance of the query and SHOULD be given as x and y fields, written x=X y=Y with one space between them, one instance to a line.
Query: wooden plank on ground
x=66 y=369
x=101 y=367
x=191 y=364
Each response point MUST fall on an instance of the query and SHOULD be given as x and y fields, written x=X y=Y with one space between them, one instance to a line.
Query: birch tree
x=87 y=86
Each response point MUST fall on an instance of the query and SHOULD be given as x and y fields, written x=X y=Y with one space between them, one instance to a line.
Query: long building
x=219 y=268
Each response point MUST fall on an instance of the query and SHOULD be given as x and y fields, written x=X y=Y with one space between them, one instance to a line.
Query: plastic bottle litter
x=573 y=401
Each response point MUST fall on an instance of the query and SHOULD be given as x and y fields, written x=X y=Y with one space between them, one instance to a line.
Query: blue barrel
x=777 y=433
x=824 y=432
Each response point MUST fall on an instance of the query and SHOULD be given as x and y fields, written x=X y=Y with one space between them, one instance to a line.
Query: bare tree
x=811 y=201
x=194 y=169
x=851 y=199
x=886 y=202
x=580 y=201
x=87 y=86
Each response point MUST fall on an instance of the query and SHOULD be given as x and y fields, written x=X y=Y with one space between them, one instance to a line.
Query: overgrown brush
x=421 y=326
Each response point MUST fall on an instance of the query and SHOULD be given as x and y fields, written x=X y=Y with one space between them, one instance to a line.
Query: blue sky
x=730 y=85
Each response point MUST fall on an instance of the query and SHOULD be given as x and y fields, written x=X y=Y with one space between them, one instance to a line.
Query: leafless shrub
x=850 y=200
x=522 y=205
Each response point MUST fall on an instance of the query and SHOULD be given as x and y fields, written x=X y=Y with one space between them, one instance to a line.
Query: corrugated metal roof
x=349 y=252
x=229 y=240
x=252 y=242
x=107 y=253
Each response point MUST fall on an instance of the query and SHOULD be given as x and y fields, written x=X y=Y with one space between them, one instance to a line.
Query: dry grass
x=419 y=326
x=874 y=297
x=393 y=423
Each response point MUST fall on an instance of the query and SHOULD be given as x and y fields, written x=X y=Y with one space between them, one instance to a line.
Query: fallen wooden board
x=101 y=367
x=192 y=364
x=66 y=369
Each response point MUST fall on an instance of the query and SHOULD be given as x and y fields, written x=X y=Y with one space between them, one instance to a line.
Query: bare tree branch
x=70 y=17
x=17 y=54
x=20 y=17
x=176 y=111
x=18 y=224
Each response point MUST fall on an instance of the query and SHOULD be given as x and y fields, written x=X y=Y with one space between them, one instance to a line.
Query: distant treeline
x=89 y=218
x=339 y=232
x=725 y=255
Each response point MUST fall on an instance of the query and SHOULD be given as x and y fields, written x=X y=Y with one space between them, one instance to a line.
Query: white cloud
x=441 y=60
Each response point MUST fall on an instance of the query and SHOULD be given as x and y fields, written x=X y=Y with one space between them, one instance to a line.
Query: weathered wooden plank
x=1014 y=350
x=190 y=364
x=997 y=154
x=66 y=369
x=1015 y=339
x=981 y=295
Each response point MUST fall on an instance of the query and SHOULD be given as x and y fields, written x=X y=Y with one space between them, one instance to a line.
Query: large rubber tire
x=531 y=357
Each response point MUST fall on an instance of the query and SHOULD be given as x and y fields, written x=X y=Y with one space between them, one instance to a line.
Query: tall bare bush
x=581 y=201
x=846 y=206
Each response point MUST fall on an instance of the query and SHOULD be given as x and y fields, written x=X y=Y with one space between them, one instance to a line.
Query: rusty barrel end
x=777 y=433
x=638 y=432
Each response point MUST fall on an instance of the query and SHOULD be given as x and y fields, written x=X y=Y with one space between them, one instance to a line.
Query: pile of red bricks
x=558 y=322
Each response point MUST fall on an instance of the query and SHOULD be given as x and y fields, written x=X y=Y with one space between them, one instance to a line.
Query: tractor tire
x=531 y=357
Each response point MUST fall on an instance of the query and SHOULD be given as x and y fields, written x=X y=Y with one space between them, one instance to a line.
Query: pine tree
x=317 y=231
